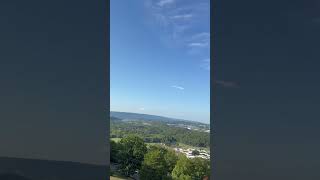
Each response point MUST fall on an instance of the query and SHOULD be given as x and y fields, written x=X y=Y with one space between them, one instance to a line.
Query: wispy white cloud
x=199 y=40
x=182 y=16
x=142 y=109
x=180 y=19
x=198 y=44
x=178 y=87
x=183 y=24
x=202 y=35
x=162 y=3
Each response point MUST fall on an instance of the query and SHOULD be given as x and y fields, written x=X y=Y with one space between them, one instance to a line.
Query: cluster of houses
x=188 y=152
x=202 y=128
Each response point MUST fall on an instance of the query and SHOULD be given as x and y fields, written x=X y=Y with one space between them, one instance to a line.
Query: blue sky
x=159 y=57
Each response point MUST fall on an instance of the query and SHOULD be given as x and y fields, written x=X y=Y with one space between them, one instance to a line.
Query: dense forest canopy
x=158 y=132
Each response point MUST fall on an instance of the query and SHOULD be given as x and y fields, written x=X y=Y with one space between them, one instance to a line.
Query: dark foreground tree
x=169 y=140
x=195 y=153
x=114 y=149
x=131 y=154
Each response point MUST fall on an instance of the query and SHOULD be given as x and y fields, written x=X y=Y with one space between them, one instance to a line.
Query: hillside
x=148 y=117
x=128 y=115
x=160 y=132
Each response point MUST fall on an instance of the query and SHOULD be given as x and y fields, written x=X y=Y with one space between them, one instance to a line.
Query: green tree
x=200 y=169
x=171 y=159
x=182 y=169
x=158 y=164
x=168 y=140
x=184 y=177
x=131 y=154
x=153 y=166
x=193 y=169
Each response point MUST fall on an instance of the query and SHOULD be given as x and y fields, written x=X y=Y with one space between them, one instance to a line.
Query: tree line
x=155 y=162
x=160 y=132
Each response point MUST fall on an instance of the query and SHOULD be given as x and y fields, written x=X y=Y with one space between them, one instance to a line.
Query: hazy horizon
x=161 y=115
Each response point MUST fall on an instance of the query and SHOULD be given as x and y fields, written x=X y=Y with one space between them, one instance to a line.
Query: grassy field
x=115 y=178
x=118 y=178
x=116 y=139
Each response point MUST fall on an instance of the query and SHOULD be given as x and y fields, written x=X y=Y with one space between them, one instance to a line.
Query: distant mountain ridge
x=137 y=116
